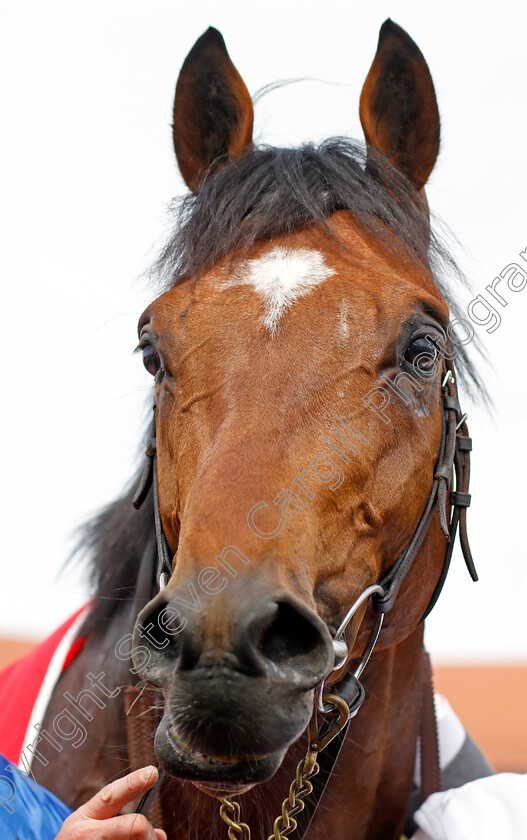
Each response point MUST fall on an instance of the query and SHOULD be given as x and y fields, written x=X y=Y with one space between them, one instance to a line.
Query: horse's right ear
x=398 y=107
x=213 y=110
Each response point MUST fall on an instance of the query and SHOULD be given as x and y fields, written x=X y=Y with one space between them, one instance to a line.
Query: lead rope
x=301 y=785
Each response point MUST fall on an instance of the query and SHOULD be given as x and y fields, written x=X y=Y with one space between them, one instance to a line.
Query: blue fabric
x=27 y=810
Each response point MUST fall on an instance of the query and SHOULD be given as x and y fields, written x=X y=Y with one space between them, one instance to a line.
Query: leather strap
x=143 y=705
x=143 y=709
x=431 y=780
x=454 y=456
x=351 y=690
x=147 y=476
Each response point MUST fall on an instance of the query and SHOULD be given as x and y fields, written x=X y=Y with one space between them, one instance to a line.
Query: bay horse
x=299 y=462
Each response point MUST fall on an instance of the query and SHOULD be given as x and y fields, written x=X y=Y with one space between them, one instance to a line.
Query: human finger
x=112 y=798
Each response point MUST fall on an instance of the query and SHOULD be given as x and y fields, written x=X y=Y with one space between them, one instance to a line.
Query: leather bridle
x=453 y=463
x=163 y=567
x=454 y=455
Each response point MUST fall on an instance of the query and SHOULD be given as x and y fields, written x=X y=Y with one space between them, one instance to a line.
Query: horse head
x=296 y=355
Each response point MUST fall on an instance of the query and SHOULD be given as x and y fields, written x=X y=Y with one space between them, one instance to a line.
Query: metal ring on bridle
x=341 y=649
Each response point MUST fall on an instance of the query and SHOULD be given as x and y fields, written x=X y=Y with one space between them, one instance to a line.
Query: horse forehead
x=280 y=276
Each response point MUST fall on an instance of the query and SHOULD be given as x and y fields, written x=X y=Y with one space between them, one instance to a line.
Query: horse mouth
x=213 y=773
x=195 y=755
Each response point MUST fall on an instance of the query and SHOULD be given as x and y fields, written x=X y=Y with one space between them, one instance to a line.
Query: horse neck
x=77 y=772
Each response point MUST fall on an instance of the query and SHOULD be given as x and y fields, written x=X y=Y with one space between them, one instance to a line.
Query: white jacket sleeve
x=493 y=808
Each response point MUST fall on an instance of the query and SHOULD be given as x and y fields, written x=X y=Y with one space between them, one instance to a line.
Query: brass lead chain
x=236 y=830
x=301 y=785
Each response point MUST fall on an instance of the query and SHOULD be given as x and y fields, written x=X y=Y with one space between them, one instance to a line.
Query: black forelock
x=271 y=192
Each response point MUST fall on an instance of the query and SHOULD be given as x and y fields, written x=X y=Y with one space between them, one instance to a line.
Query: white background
x=86 y=172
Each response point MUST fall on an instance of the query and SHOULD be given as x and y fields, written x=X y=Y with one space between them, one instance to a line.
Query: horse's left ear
x=398 y=106
x=213 y=110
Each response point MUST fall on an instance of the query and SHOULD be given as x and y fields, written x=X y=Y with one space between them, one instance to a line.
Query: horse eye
x=422 y=355
x=150 y=359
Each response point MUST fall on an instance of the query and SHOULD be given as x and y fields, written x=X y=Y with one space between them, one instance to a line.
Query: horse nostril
x=290 y=636
x=164 y=632
x=151 y=627
x=261 y=632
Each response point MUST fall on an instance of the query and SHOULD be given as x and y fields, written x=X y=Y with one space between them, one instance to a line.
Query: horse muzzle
x=238 y=681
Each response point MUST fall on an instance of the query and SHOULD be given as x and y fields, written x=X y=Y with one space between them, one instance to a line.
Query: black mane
x=266 y=193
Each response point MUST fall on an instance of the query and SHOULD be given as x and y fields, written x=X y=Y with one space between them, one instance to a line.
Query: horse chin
x=215 y=775
x=221 y=790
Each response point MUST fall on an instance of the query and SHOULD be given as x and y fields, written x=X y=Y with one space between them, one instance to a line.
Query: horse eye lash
x=431 y=347
x=432 y=339
x=144 y=342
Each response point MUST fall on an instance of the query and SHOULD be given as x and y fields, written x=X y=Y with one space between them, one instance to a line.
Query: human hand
x=99 y=819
